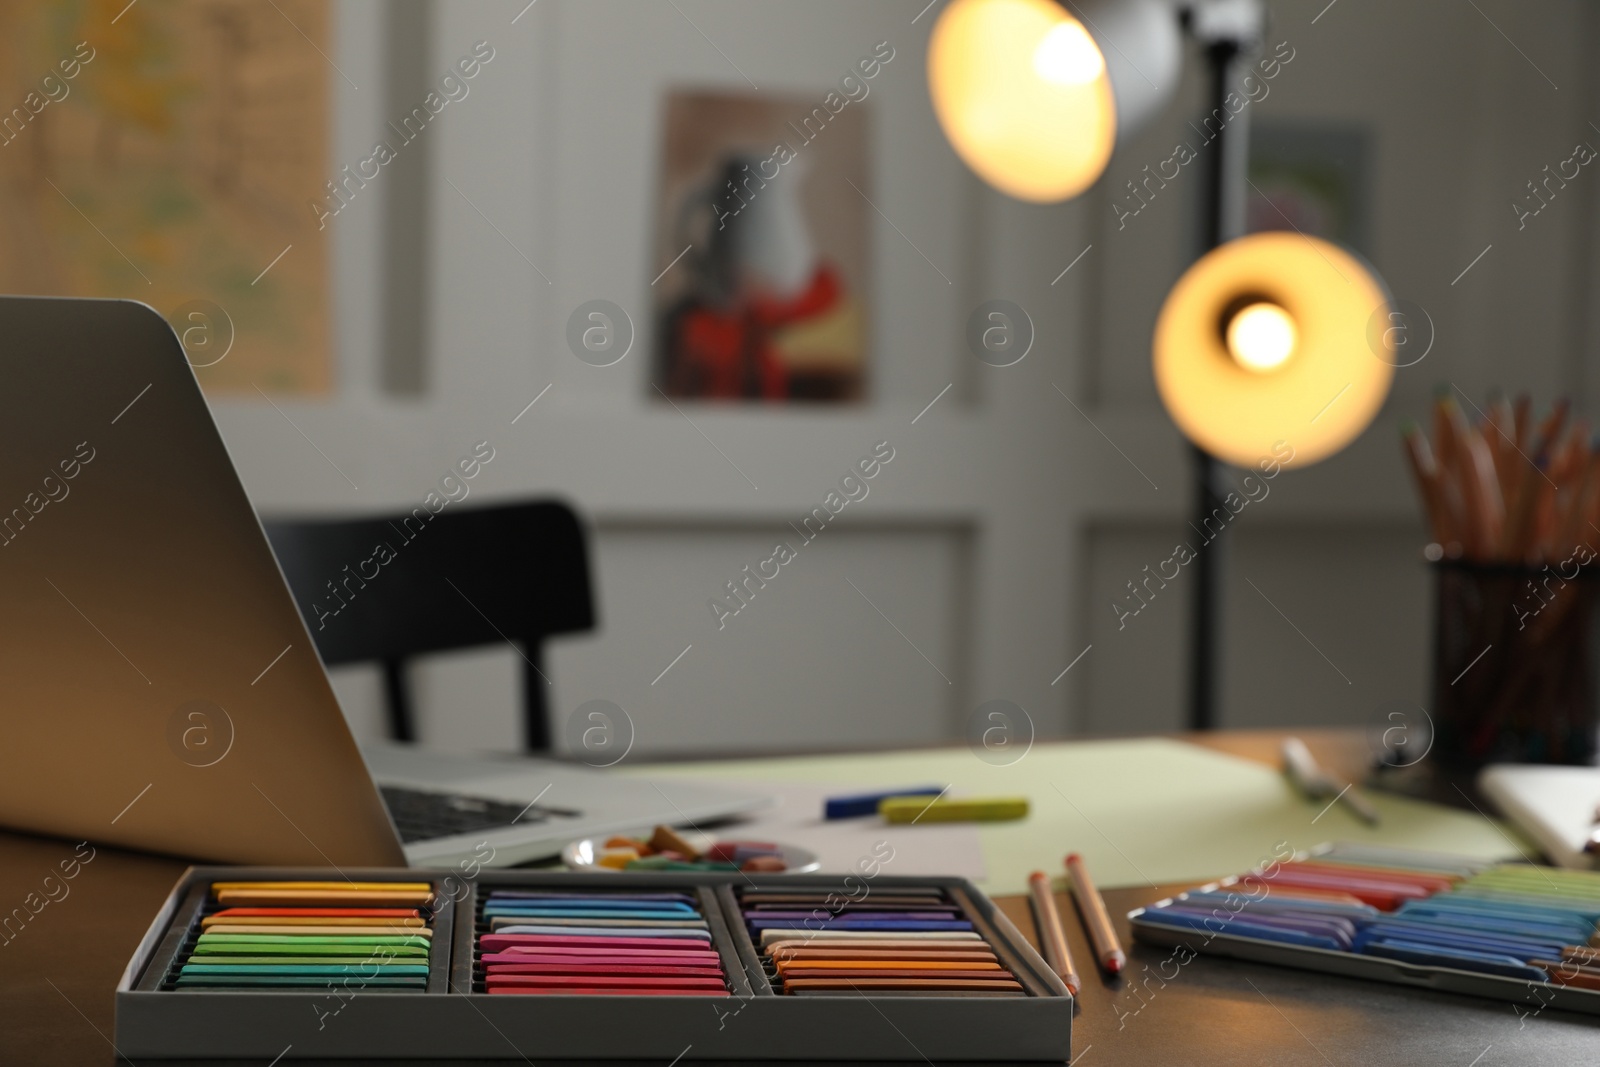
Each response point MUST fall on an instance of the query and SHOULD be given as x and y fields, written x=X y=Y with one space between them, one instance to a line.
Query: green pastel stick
x=213 y=980
x=364 y=951
x=270 y=939
x=310 y=970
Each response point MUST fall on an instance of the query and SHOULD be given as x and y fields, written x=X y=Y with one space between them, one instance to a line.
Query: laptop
x=160 y=688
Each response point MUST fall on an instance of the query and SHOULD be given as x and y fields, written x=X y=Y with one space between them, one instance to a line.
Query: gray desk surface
x=58 y=973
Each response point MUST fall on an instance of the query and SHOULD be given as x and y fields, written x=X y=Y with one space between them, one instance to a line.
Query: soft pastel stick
x=920 y=925
x=498 y=941
x=879 y=954
x=550 y=894
x=806 y=966
x=859 y=804
x=663 y=959
x=320 y=961
x=324 y=982
x=761 y=896
x=1435 y=956
x=213 y=922
x=970 y=809
x=1341 y=931
x=580 y=991
x=212 y=938
x=898 y=944
x=330 y=887
x=300 y=951
x=1434 y=881
x=573 y=952
x=371 y=913
x=309 y=969
x=669 y=907
x=1565 y=972
x=847 y=916
x=601 y=982
x=1242 y=928
x=873 y=985
x=886 y=971
x=632 y=970
x=668 y=933
x=325 y=931
x=605 y=919
x=289 y=897
x=770 y=936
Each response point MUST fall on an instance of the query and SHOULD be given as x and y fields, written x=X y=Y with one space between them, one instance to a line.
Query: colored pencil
x=1096 y=920
x=1052 y=936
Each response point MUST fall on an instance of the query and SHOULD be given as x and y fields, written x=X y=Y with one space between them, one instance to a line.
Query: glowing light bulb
x=1068 y=56
x=1261 y=337
x=1022 y=92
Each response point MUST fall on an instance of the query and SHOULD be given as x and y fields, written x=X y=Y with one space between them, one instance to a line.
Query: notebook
x=1555 y=806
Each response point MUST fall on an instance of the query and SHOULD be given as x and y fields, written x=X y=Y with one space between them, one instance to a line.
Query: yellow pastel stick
x=414 y=887
x=961 y=809
x=312 y=898
x=323 y=931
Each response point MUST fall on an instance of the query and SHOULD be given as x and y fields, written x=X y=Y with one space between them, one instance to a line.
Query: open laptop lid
x=158 y=688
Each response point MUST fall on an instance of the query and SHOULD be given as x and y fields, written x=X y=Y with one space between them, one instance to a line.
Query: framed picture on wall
x=761 y=248
x=167 y=153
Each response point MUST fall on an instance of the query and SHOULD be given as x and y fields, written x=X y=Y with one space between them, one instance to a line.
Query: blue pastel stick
x=1472 y=942
x=1565 y=933
x=1518 y=913
x=852 y=807
x=1269 y=904
x=1240 y=928
x=1433 y=956
x=1341 y=931
x=1587 y=910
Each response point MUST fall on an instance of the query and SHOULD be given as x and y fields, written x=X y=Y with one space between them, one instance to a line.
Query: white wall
x=993 y=541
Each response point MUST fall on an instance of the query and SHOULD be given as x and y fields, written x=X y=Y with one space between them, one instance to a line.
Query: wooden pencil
x=1052 y=935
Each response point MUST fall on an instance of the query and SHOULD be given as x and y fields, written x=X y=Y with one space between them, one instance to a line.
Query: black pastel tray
x=453 y=1018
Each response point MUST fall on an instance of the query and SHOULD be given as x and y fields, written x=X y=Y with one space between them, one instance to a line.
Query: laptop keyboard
x=422 y=816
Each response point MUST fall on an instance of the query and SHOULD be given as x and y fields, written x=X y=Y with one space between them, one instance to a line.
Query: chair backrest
x=387 y=588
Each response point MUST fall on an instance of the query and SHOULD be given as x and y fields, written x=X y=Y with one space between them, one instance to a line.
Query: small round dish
x=580 y=855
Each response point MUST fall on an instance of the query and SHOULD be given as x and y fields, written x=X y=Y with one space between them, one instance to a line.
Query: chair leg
x=536 y=718
x=399 y=701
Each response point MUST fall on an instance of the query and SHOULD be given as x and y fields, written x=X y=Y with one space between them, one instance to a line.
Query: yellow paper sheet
x=1148 y=811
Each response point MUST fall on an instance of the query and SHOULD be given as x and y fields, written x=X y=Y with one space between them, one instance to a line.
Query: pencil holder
x=1514 y=663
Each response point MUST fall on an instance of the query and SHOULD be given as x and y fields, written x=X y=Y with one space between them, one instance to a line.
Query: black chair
x=389 y=588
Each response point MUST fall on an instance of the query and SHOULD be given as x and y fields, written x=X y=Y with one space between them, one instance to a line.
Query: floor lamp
x=1034 y=95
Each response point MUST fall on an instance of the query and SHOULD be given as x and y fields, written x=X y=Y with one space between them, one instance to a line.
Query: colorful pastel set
x=268 y=963
x=310 y=934
x=596 y=942
x=1509 y=931
x=915 y=940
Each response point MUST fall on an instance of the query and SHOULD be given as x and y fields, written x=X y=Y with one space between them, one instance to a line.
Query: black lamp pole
x=1222 y=215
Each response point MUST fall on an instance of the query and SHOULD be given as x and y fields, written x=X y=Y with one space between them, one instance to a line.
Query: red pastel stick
x=1436 y=883
x=497 y=942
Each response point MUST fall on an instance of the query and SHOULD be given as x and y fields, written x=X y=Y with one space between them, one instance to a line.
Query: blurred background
x=436 y=295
